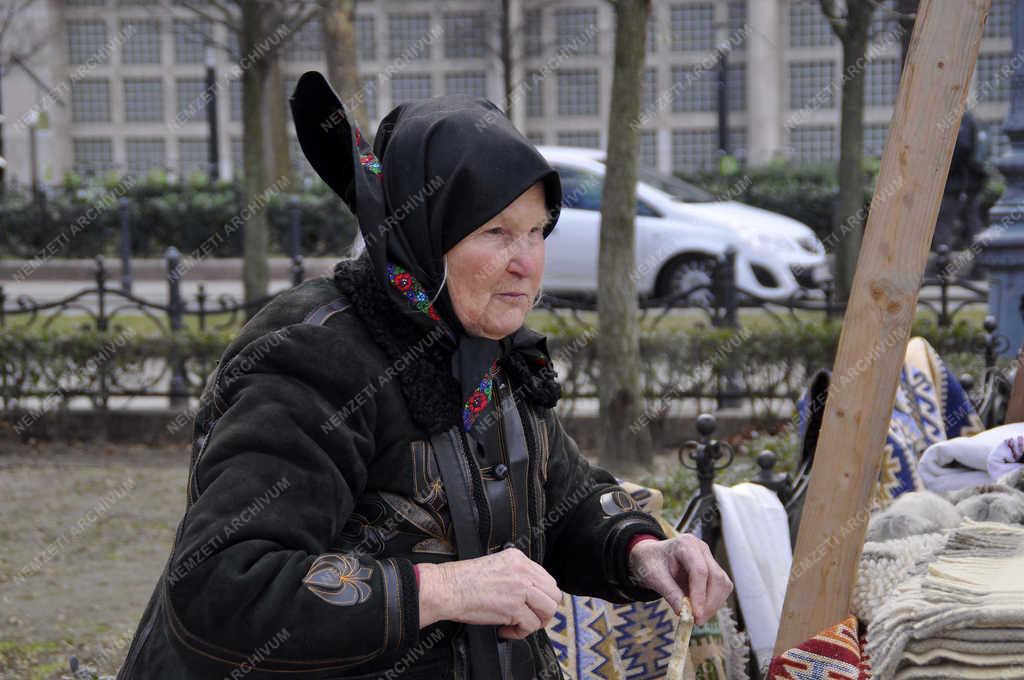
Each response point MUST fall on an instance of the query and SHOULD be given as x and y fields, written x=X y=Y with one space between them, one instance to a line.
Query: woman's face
x=494 y=274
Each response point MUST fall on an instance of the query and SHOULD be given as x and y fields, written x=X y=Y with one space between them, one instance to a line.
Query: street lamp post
x=1002 y=251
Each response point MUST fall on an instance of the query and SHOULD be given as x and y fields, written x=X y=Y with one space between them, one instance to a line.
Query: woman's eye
x=497 y=231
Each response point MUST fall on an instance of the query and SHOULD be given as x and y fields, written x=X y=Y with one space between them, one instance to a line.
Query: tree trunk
x=618 y=343
x=255 y=267
x=278 y=156
x=849 y=212
x=338 y=19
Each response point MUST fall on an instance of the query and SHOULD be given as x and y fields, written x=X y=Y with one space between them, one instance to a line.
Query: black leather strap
x=453 y=465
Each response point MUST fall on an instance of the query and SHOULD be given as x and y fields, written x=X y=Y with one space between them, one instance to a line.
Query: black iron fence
x=684 y=361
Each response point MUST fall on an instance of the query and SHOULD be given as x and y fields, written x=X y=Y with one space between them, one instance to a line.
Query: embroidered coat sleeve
x=590 y=520
x=273 y=483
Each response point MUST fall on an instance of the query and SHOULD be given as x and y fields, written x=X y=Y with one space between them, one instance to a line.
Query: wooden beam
x=876 y=327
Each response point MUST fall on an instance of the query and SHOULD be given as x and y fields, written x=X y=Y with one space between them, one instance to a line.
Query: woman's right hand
x=506 y=589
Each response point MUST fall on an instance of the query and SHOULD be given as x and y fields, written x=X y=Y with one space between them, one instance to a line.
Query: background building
x=783 y=78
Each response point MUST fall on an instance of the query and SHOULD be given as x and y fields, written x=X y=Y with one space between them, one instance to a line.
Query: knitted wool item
x=973 y=584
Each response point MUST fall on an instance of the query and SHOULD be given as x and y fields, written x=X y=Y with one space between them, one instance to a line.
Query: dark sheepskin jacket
x=313 y=490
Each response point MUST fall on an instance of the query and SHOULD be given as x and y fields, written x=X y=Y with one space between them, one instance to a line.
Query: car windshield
x=673 y=186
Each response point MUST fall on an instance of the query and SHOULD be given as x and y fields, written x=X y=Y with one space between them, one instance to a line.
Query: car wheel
x=688 y=280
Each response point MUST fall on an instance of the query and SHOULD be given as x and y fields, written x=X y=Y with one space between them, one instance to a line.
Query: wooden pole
x=876 y=327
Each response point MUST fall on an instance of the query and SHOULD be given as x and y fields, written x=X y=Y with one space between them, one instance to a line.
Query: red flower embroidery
x=477 y=402
x=433 y=314
x=403 y=281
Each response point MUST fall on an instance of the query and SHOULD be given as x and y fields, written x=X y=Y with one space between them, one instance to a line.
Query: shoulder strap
x=455 y=476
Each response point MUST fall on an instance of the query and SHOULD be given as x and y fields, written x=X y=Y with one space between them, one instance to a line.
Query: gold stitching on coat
x=339 y=579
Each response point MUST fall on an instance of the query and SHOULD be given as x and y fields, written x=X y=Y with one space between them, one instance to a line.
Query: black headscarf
x=440 y=168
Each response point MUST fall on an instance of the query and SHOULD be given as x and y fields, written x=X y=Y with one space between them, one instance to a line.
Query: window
x=1000 y=20
x=576 y=29
x=193 y=154
x=649 y=89
x=651 y=46
x=235 y=99
x=533 y=32
x=143 y=155
x=587 y=139
x=366 y=38
x=874 y=139
x=738 y=25
x=534 y=85
x=882 y=81
x=190 y=37
x=407 y=87
x=143 y=99
x=694 y=150
x=736 y=86
x=692 y=27
x=90 y=101
x=465 y=35
x=998 y=142
x=812 y=84
x=369 y=85
x=237 y=157
x=736 y=138
x=577 y=93
x=813 y=143
x=142 y=46
x=808 y=26
x=694 y=89
x=884 y=24
x=649 y=148
x=86 y=39
x=408 y=33
x=307 y=44
x=189 y=93
x=580 y=190
x=991 y=84
x=92 y=156
x=473 y=83
x=298 y=159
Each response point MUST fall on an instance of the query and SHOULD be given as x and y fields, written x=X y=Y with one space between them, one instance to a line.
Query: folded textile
x=755 y=529
x=973 y=584
x=969 y=461
x=835 y=653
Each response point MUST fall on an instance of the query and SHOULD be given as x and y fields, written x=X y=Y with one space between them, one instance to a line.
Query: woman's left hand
x=678 y=567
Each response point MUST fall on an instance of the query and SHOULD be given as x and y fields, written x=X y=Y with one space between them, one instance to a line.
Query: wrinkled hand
x=506 y=589
x=678 y=567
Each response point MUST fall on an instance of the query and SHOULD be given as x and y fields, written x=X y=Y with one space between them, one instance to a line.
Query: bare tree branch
x=831 y=11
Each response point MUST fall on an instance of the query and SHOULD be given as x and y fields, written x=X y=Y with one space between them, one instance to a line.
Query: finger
x=541 y=604
x=659 y=579
x=719 y=583
x=526 y=619
x=693 y=563
x=513 y=632
x=540 y=577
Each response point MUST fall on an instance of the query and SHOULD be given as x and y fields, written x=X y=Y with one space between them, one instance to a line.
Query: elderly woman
x=379 y=486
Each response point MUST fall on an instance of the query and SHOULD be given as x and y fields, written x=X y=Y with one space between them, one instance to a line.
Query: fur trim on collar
x=430 y=390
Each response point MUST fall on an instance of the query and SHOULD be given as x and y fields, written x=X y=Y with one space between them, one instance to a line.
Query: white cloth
x=969 y=461
x=756 y=534
x=1008 y=454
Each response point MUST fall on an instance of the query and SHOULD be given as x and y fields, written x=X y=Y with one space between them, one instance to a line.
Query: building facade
x=120 y=83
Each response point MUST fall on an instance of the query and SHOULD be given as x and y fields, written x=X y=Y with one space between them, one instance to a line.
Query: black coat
x=312 y=491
